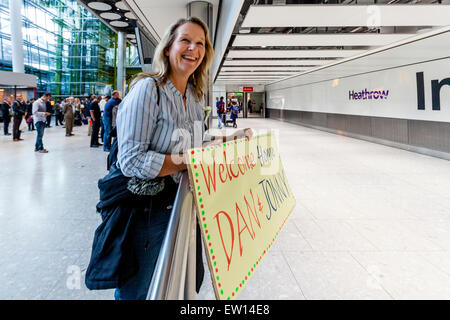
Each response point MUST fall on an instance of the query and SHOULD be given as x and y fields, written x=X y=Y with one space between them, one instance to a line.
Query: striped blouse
x=147 y=131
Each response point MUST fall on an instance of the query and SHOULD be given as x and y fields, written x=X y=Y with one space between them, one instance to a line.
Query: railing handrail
x=171 y=265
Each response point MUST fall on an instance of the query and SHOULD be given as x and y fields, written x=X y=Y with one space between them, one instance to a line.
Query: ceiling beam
x=276 y=68
x=311 y=62
x=260 y=74
x=293 y=53
x=314 y=40
x=251 y=77
x=264 y=16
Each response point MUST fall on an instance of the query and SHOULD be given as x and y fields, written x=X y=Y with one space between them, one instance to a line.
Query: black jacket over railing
x=113 y=261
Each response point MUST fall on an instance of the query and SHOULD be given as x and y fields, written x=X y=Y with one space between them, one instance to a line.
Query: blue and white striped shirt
x=39 y=108
x=147 y=131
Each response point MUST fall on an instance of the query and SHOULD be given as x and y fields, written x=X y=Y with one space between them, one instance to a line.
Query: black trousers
x=6 y=122
x=16 y=125
x=95 y=130
x=31 y=125
x=102 y=130
x=58 y=119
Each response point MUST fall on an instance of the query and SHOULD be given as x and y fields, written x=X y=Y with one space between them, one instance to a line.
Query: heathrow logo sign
x=368 y=94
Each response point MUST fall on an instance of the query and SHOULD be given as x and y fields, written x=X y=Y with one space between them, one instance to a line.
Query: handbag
x=23 y=126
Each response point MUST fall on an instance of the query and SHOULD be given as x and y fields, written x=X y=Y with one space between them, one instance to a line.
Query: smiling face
x=187 y=51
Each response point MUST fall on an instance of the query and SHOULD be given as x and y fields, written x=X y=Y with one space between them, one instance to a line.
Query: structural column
x=204 y=11
x=15 y=16
x=121 y=63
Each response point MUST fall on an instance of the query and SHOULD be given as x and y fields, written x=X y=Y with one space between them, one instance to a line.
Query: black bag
x=113 y=261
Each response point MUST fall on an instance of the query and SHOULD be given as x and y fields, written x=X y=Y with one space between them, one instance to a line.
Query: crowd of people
x=232 y=109
x=98 y=112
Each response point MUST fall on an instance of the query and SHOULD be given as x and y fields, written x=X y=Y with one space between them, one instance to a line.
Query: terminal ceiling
x=276 y=39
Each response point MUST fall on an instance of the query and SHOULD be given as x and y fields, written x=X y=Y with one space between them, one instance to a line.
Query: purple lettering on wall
x=368 y=95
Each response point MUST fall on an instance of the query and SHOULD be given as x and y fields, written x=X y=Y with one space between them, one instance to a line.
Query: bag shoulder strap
x=112 y=156
x=157 y=90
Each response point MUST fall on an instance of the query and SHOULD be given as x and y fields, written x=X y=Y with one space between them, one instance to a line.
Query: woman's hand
x=173 y=163
x=243 y=133
x=248 y=132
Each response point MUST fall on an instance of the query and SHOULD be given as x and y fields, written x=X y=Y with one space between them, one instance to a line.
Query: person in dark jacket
x=107 y=119
x=6 y=114
x=58 y=113
x=29 y=116
x=96 y=118
x=50 y=111
x=19 y=110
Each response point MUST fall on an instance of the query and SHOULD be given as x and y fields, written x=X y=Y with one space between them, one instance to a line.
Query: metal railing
x=174 y=274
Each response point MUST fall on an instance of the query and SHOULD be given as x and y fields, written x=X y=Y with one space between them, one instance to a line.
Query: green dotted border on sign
x=200 y=200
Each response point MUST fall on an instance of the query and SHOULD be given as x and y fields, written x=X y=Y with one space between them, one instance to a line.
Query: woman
x=152 y=136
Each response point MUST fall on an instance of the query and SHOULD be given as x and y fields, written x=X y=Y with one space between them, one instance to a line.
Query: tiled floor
x=371 y=222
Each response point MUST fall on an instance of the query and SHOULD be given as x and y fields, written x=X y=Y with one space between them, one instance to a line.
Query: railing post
x=174 y=274
x=191 y=270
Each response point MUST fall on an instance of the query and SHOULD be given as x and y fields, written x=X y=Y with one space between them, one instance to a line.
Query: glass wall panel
x=65 y=46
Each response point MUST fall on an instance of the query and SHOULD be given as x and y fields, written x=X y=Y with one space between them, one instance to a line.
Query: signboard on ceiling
x=243 y=199
x=247 y=89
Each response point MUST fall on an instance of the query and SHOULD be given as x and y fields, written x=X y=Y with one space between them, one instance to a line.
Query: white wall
x=228 y=15
x=391 y=68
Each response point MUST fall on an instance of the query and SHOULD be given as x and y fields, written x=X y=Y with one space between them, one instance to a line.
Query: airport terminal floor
x=371 y=221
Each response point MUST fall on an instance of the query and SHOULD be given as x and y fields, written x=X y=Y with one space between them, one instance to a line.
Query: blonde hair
x=161 y=65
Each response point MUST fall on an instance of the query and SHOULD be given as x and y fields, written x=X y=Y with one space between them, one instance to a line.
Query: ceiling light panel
x=129 y=15
x=242 y=78
x=248 y=79
x=293 y=53
x=100 y=6
x=313 y=40
x=122 y=6
x=346 y=15
x=238 y=74
x=119 y=24
x=255 y=77
x=311 y=62
x=251 y=78
x=243 y=81
x=110 y=16
x=278 y=68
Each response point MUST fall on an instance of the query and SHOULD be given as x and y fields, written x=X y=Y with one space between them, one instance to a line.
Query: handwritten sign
x=243 y=199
